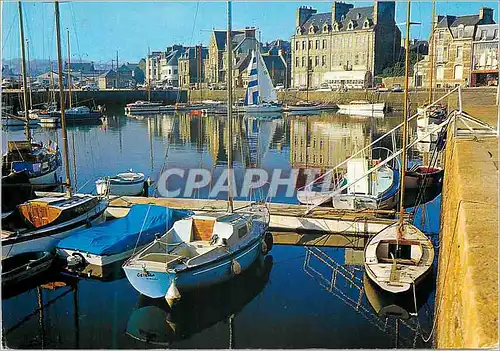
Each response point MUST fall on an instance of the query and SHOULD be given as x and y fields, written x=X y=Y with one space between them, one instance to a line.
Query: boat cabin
x=405 y=251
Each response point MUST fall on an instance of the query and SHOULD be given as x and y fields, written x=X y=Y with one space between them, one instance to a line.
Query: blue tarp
x=121 y=234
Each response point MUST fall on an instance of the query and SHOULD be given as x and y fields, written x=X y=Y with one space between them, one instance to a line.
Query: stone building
x=191 y=66
x=153 y=73
x=453 y=38
x=277 y=56
x=243 y=41
x=331 y=47
x=485 y=56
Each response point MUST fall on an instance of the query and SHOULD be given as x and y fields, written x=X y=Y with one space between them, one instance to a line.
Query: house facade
x=192 y=66
x=484 y=70
x=343 y=45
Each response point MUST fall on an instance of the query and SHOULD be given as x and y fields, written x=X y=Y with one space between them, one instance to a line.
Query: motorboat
x=116 y=239
x=143 y=106
x=306 y=106
x=79 y=114
x=39 y=224
x=200 y=251
x=123 y=184
x=362 y=108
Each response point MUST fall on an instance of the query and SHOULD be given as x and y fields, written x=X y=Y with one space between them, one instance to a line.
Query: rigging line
x=74 y=30
x=8 y=32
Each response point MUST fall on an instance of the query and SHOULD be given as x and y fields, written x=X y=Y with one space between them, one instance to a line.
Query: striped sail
x=260 y=87
x=252 y=93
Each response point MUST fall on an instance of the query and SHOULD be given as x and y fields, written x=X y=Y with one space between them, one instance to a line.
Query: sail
x=252 y=93
x=266 y=88
x=260 y=86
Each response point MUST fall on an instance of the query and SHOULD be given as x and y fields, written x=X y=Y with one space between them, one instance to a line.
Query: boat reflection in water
x=347 y=281
x=154 y=322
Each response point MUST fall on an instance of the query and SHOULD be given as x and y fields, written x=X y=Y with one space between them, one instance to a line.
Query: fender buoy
x=263 y=247
x=268 y=238
x=173 y=295
x=235 y=267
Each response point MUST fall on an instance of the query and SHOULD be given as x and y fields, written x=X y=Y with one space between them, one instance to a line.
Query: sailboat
x=260 y=95
x=207 y=248
x=37 y=225
x=400 y=256
x=40 y=162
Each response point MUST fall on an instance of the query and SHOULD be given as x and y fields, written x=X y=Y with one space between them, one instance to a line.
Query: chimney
x=486 y=15
x=384 y=12
x=339 y=10
x=303 y=14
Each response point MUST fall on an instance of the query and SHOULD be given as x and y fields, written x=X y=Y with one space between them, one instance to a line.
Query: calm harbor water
x=289 y=300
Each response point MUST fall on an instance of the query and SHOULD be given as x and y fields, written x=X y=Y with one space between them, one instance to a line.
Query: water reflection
x=155 y=323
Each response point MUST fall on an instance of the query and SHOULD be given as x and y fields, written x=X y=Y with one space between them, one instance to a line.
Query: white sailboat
x=362 y=108
x=260 y=96
x=399 y=256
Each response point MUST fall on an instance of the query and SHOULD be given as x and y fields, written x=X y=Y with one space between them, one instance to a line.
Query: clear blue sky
x=98 y=29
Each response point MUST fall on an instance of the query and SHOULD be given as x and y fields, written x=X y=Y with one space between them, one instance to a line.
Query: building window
x=356 y=59
x=495 y=34
x=440 y=35
x=350 y=26
x=310 y=44
x=460 y=32
x=445 y=54
x=440 y=72
x=296 y=62
x=349 y=42
x=325 y=28
x=303 y=61
x=483 y=35
x=459 y=51
x=458 y=72
x=303 y=44
x=323 y=60
x=317 y=44
x=310 y=63
x=316 y=60
x=296 y=46
x=324 y=44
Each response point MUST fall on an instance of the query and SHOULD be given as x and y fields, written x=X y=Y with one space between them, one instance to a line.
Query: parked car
x=381 y=88
x=396 y=88
x=90 y=88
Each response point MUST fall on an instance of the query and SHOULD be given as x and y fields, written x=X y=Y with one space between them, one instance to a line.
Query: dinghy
x=24 y=266
x=143 y=107
x=116 y=239
x=395 y=264
x=260 y=95
x=123 y=184
x=423 y=176
x=200 y=251
x=400 y=256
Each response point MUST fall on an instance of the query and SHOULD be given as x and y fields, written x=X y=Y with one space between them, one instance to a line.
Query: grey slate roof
x=357 y=14
x=220 y=37
x=273 y=61
x=490 y=32
x=190 y=53
x=110 y=73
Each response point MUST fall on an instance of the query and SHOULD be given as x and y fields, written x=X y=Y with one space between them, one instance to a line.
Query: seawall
x=467 y=284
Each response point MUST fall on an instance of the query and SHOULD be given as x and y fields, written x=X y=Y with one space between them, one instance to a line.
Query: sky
x=99 y=29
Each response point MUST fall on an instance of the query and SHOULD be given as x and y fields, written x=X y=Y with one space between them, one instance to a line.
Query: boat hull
x=30 y=265
x=46 y=239
x=261 y=108
x=47 y=178
x=156 y=284
x=377 y=107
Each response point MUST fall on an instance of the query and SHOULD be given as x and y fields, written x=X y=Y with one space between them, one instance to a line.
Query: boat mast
x=61 y=99
x=431 y=54
x=23 y=69
x=229 y=76
x=69 y=72
x=405 y=126
x=29 y=73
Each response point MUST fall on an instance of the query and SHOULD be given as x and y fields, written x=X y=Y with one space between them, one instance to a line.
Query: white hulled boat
x=362 y=108
x=127 y=183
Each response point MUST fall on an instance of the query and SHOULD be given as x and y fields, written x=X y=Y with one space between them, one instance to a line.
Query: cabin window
x=242 y=231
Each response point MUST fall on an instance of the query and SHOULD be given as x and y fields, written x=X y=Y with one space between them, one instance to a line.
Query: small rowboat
x=23 y=266
x=419 y=176
x=127 y=183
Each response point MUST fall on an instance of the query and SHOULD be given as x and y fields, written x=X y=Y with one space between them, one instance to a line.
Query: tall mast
x=23 y=69
x=308 y=68
x=69 y=71
x=29 y=73
x=431 y=53
x=229 y=76
x=405 y=125
x=61 y=99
